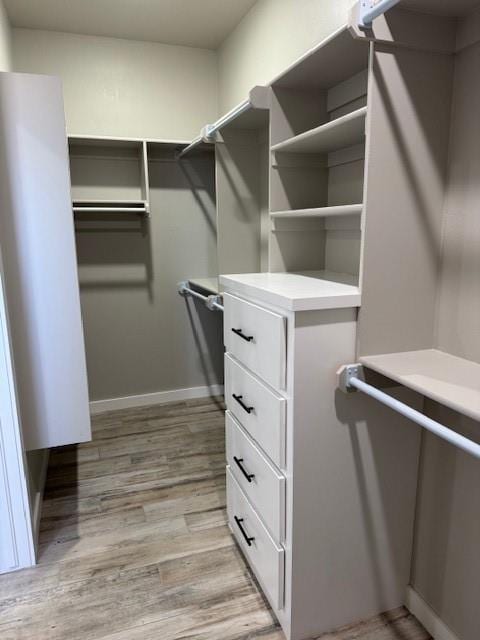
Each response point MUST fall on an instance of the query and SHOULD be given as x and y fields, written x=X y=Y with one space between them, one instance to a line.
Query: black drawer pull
x=248 y=476
x=248 y=539
x=238 y=332
x=242 y=404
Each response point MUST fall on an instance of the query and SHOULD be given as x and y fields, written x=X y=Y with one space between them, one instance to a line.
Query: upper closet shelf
x=449 y=380
x=345 y=131
x=333 y=60
x=320 y=212
x=303 y=291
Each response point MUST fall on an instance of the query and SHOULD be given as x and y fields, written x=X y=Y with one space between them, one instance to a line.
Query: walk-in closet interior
x=239 y=320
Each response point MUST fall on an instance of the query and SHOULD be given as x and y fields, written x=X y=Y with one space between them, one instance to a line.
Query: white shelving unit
x=345 y=131
x=109 y=176
x=320 y=212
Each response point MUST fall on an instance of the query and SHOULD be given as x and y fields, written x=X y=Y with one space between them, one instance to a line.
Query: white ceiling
x=193 y=23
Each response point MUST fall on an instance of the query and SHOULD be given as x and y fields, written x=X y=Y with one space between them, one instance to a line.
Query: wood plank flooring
x=134 y=543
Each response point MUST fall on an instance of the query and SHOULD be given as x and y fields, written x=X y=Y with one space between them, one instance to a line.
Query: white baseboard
x=427 y=616
x=159 y=397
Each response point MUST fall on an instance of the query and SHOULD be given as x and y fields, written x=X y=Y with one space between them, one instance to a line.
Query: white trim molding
x=427 y=616
x=16 y=534
x=159 y=397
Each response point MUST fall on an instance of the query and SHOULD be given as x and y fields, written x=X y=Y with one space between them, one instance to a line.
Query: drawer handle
x=239 y=332
x=238 y=462
x=248 y=539
x=242 y=404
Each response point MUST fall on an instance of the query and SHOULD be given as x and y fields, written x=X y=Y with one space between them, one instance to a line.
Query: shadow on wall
x=114 y=252
x=385 y=451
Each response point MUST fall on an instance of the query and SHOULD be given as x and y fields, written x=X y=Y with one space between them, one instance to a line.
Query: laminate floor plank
x=134 y=542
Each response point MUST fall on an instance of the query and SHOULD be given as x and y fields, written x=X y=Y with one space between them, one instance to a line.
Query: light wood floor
x=134 y=543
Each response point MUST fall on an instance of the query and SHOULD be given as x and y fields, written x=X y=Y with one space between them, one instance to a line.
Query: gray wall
x=272 y=35
x=124 y=88
x=141 y=336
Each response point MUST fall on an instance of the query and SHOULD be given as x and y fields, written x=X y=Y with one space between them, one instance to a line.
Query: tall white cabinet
x=40 y=269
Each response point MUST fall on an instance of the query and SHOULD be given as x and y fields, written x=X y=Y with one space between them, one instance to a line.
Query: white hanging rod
x=111 y=209
x=195 y=142
x=349 y=380
x=371 y=9
x=212 y=302
x=211 y=129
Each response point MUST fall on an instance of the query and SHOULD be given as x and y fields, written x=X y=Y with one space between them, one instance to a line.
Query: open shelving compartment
x=109 y=177
x=317 y=131
x=418 y=324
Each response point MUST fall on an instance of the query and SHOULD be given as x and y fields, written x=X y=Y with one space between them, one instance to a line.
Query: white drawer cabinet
x=260 y=481
x=258 y=408
x=334 y=483
x=256 y=337
x=265 y=556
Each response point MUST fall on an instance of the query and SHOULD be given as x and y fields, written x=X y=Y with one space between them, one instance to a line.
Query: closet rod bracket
x=345 y=375
x=371 y=9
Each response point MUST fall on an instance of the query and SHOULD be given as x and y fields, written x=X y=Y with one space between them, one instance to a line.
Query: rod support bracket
x=346 y=373
x=181 y=288
x=212 y=303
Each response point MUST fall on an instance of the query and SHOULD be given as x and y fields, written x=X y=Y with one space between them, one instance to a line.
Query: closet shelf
x=345 y=131
x=207 y=284
x=302 y=291
x=320 y=212
x=447 y=379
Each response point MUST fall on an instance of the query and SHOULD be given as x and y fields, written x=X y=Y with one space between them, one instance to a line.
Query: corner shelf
x=320 y=212
x=440 y=376
x=342 y=132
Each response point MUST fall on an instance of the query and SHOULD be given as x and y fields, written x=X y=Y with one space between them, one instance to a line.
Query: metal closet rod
x=349 y=378
x=211 y=302
x=211 y=129
x=371 y=9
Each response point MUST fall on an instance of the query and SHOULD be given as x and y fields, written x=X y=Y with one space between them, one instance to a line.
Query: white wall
x=124 y=88
x=272 y=35
x=5 y=40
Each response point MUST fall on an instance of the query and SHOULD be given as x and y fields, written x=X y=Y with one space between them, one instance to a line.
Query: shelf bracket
x=371 y=9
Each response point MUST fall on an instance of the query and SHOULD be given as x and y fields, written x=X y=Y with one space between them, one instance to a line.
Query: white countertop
x=451 y=381
x=312 y=290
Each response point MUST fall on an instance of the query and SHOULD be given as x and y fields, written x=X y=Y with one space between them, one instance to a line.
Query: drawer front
x=257 y=338
x=258 y=409
x=265 y=557
x=261 y=482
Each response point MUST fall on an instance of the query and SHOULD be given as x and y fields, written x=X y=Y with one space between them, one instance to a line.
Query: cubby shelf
x=342 y=132
x=320 y=212
x=450 y=380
